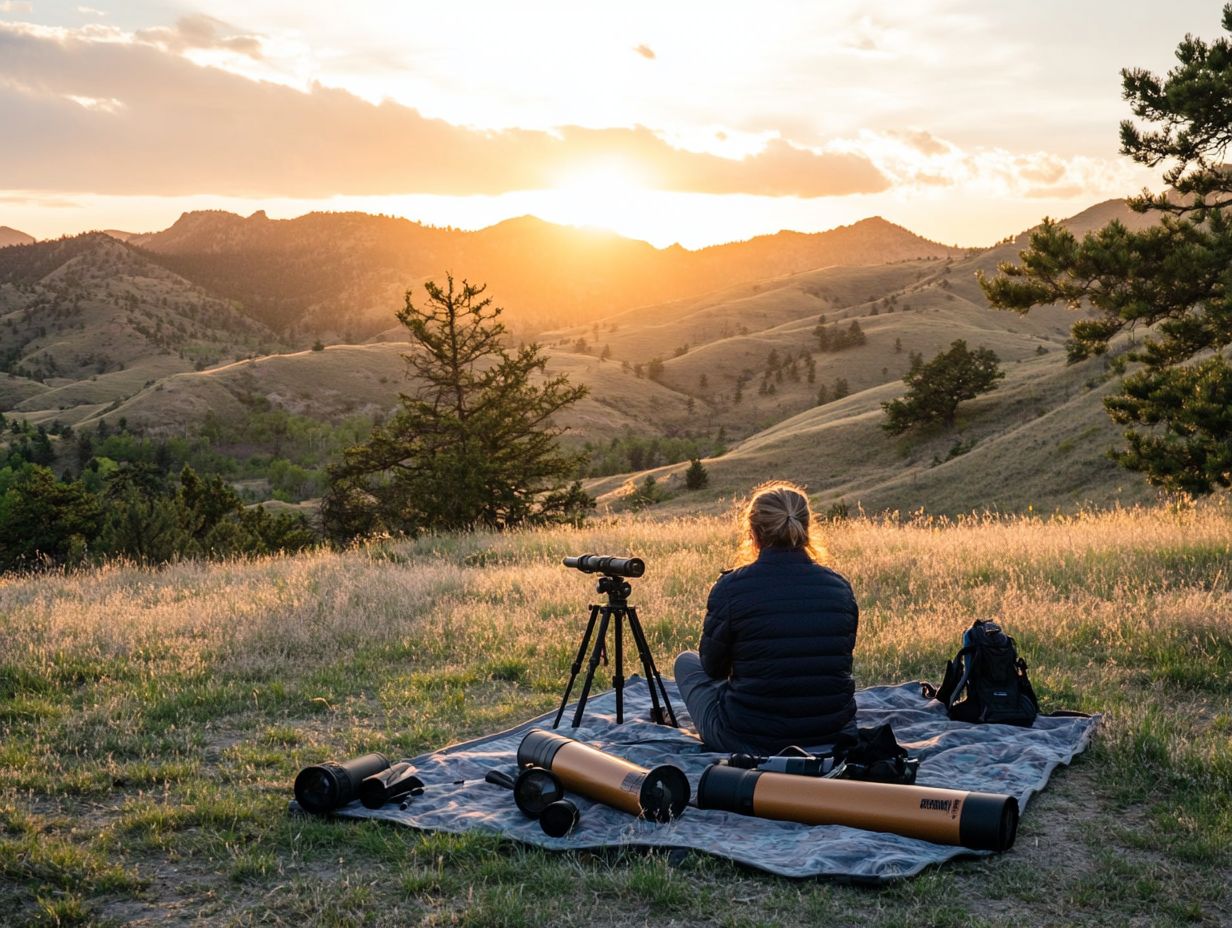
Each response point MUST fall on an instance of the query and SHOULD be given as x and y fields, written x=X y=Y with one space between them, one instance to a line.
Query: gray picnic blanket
x=957 y=755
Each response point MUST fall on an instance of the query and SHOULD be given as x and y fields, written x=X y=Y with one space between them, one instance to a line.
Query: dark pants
x=700 y=693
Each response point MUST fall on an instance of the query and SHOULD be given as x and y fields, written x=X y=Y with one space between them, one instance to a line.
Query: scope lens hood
x=535 y=790
x=538 y=747
x=665 y=793
x=989 y=822
x=727 y=788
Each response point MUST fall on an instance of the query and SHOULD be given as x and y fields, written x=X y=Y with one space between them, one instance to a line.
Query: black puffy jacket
x=781 y=631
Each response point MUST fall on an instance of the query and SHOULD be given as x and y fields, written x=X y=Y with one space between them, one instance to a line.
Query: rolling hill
x=740 y=365
x=87 y=322
x=10 y=236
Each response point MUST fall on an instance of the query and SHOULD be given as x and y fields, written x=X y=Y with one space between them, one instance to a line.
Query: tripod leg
x=618 y=678
x=605 y=613
x=661 y=715
x=577 y=664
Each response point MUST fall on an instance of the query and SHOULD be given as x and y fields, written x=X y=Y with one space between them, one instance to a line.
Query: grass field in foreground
x=152 y=722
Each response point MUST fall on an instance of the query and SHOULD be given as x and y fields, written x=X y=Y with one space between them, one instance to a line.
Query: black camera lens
x=325 y=787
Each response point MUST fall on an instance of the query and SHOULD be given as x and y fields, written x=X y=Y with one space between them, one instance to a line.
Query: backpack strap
x=956 y=673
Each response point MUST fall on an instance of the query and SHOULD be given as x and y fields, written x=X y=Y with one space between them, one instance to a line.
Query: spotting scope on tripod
x=617 y=611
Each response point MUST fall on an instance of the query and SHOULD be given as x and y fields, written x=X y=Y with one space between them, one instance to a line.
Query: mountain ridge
x=345 y=273
x=10 y=236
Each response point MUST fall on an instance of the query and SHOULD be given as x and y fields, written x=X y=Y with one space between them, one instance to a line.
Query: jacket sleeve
x=715 y=648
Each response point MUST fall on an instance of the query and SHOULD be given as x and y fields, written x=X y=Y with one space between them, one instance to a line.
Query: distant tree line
x=625 y=453
x=837 y=338
x=136 y=512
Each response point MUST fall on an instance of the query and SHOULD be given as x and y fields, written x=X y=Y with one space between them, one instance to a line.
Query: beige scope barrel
x=980 y=821
x=660 y=793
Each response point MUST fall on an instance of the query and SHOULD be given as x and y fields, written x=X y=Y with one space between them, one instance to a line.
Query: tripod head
x=616 y=588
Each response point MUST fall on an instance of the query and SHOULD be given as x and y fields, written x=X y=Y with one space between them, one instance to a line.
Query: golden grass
x=153 y=720
x=1130 y=573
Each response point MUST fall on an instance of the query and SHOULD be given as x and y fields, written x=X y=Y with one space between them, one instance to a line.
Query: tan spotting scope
x=659 y=794
x=980 y=821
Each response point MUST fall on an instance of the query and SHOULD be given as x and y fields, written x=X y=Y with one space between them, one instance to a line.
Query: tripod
x=618 y=608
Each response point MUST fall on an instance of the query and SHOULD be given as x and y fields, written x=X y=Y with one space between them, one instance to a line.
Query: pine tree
x=1175 y=277
x=696 y=477
x=936 y=388
x=473 y=444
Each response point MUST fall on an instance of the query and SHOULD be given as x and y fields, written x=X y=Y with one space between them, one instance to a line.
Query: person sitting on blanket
x=773 y=668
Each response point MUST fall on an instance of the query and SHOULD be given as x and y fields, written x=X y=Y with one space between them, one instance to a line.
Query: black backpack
x=987 y=680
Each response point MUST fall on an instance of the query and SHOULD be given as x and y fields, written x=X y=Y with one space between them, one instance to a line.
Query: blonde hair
x=777 y=515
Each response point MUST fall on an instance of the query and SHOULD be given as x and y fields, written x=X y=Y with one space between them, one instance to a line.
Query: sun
x=610 y=196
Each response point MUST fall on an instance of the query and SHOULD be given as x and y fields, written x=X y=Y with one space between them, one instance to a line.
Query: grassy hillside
x=86 y=322
x=739 y=366
x=345 y=380
x=151 y=724
x=1038 y=441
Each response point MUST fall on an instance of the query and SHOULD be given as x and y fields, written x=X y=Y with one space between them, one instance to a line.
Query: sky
x=671 y=121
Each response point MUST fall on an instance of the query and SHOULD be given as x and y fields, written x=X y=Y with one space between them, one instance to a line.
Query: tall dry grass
x=153 y=717
x=1112 y=581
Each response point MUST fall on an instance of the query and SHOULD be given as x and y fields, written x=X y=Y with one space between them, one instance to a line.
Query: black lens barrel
x=324 y=787
x=607 y=564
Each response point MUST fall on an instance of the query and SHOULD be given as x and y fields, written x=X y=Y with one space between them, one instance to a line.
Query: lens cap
x=559 y=818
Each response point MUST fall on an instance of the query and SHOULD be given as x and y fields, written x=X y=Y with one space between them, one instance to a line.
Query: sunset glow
x=691 y=123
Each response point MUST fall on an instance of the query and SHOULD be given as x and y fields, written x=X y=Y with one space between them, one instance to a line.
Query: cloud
x=201 y=32
x=16 y=6
x=90 y=11
x=645 y=51
x=172 y=127
x=913 y=158
x=12 y=199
